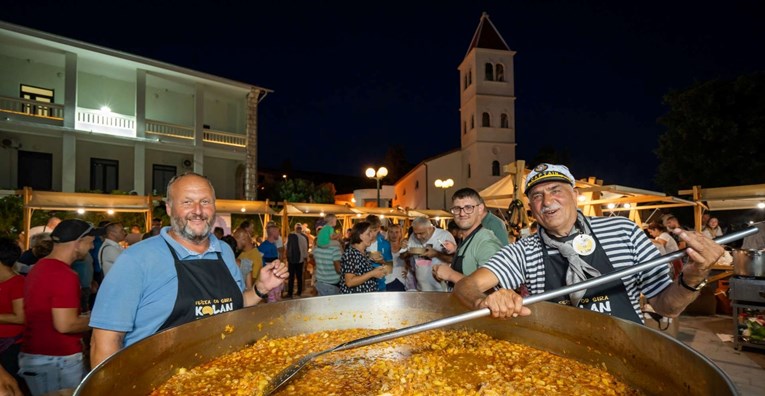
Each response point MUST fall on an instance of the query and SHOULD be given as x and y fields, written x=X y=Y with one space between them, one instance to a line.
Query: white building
x=79 y=117
x=487 y=130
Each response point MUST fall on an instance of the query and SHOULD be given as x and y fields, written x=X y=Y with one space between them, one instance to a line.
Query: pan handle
x=479 y=313
x=612 y=276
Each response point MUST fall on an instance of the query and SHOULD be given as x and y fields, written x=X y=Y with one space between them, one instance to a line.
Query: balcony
x=158 y=128
x=109 y=123
x=32 y=108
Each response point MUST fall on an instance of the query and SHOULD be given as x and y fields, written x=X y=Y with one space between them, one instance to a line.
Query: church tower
x=487 y=107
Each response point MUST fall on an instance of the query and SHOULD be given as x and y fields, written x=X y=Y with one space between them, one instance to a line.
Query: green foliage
x=715 y=135
x=301 y=190
x=12 y=216
x=396 y=163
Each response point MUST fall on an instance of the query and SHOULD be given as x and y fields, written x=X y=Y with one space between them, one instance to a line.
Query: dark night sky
x=350 y=78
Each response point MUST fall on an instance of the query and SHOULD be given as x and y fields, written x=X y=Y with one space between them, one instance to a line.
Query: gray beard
x=188 y=235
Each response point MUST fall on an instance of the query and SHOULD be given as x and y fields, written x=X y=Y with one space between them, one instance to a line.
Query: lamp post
x=444 y=184
x=377 y=175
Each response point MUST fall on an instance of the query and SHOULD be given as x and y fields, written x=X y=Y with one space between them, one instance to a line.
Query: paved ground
x=746 y=368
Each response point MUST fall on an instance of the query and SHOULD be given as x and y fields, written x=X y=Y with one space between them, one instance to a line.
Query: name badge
x=584 y=244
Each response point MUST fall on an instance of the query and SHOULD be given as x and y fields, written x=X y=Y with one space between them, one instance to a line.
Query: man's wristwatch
x=691 y=288
x=264 y=296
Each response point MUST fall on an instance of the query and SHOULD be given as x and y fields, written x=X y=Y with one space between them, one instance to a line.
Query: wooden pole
x=266 y=219
x=149 y=212
x=697 y=209
x=27 y=197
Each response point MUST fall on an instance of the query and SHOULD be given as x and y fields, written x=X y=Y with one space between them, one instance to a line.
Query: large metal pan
x=749 y=262
x=644 y=358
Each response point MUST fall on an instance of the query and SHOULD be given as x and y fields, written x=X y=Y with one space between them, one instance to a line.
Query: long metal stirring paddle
x=289 y=372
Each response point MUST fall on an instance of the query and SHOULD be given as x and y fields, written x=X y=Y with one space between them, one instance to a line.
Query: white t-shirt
x=671 y=245
x=423 y=266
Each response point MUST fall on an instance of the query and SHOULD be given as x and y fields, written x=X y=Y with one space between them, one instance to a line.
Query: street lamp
x=377 y=175
x=444 y=184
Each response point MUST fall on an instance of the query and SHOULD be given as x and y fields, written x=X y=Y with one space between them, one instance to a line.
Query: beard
x=181 y=227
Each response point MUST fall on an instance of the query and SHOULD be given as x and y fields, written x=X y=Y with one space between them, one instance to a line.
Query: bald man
x=184 y=275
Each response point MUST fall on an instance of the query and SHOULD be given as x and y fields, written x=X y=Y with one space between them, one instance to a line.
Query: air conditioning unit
x=188 y=164
x=10 y=143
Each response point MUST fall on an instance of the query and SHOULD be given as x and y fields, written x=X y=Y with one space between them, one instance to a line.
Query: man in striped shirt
x=570 y=248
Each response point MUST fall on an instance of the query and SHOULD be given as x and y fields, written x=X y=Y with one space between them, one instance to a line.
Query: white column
x=68 y=162
x=139 y=168
x=70 y=90
x=199 y=121
x=199 y=160
x=140 y=104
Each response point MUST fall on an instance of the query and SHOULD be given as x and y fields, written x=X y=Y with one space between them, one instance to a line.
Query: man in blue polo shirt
x=184 y=275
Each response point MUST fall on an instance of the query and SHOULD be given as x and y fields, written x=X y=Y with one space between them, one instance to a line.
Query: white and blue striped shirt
x=624 y=243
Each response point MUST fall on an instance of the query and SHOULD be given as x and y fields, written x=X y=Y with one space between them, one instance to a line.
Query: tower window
x=468 y=171
x=464 y=127
x=489 y=72
x=500 y=72
x=417 y=185
x=472 y=122
x=495 y=168
x=485 y=120
x=470 y=77
x=504 y=122
x=465 y=78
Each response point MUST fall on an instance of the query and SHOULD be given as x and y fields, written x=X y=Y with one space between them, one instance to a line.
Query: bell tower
x=487 y=107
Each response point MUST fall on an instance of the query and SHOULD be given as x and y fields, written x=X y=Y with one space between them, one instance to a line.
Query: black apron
x=609 y=299
x=205 y=288
x=457 y=262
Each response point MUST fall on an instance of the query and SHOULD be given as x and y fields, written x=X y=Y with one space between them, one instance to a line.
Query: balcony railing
x=104 y=122
x=32 y=108
x=98 y=121
x=159 y=128
x=229 y=139
x=164 y=129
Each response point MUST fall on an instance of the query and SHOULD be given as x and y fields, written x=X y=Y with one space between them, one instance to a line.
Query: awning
x=243 y=207
x=430 y=213
x=315 y=209
x=48 y=200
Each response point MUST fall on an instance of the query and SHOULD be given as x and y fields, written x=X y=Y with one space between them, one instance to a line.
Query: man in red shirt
x=51 y=356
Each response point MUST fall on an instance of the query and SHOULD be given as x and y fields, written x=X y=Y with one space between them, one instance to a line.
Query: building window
x=470 y=77
x=468 y=171
x=464 y=127
x=472 y=122
x=489 y=72
x=485 y=120
x=417 y=185
x=495 y=168
x=36 y=94
x=160 y=176
x=35 y=170
x=404 y=193
x=104 y=175
x=466 y=81
x=504 y=122
x=500 y=72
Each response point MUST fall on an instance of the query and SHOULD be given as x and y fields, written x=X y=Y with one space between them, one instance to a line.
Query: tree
x=715 y=135
x=396 y=163
x=301 y=190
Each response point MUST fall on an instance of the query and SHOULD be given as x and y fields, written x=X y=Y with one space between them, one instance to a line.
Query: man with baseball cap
x=51 y=356
x=570 y=248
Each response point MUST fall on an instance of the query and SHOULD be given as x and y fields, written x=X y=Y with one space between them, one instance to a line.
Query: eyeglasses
x=468 y=209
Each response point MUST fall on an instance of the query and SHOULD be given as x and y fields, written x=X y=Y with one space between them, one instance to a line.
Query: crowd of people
x=80 y=281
